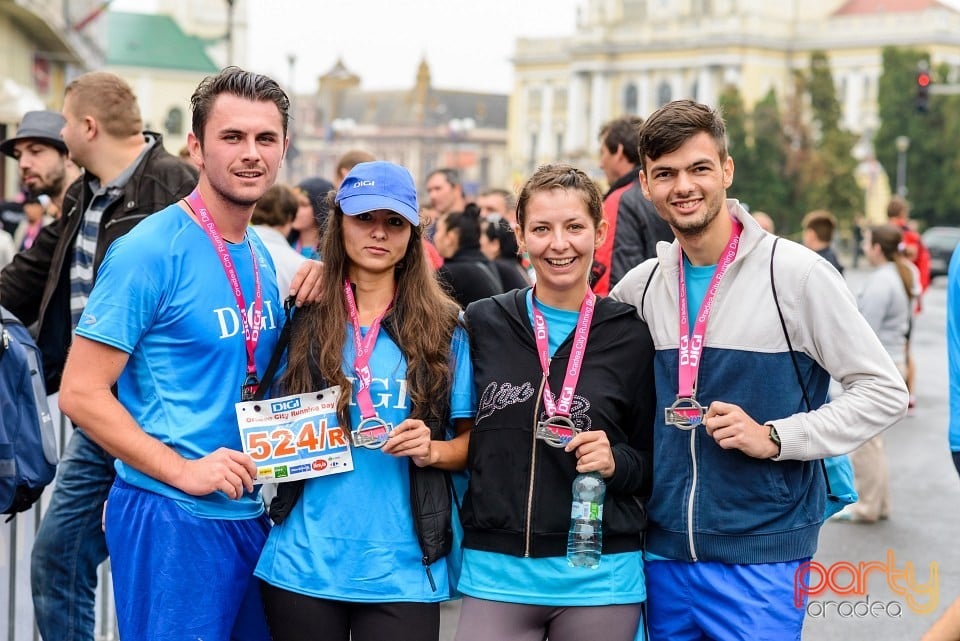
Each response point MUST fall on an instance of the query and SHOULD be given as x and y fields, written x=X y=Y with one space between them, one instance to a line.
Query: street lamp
x=902 y=144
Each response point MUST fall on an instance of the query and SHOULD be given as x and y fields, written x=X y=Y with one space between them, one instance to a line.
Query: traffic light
x=923 y=91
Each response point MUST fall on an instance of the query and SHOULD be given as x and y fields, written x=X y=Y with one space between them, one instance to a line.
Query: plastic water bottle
x=585 y=541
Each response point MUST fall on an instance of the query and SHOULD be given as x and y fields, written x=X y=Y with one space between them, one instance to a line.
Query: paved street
x=925 y=517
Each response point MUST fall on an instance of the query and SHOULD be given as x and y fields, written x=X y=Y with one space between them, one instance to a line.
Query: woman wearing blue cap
x=362 y=554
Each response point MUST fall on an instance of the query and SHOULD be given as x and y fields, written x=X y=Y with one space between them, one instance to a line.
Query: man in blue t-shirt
x=183 y=318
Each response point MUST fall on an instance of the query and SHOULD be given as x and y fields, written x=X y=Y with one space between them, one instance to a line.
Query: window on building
x=535 y=100
x=634 y=10
x=664 y=94
x=533 y=152
x=701 y=8
x=560 y=100
x=173 y=124
x=630 y=105
x=559 y=153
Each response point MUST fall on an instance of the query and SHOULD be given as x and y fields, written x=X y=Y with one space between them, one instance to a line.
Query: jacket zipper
x=426 y=566
x=122 y=219
x=693 y=490
x=528 y=525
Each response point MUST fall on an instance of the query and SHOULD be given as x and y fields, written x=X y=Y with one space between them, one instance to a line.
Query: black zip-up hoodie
x=518 y=501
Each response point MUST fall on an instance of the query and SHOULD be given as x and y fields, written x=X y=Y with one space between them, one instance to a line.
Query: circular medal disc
x=686 y=413
x=561 y=422
x=370 y=425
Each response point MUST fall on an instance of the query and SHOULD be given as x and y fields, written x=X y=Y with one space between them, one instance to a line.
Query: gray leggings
x=482 y=620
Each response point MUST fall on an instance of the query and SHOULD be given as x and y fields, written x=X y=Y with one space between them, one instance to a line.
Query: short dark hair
x=623 y=131
x=240 y=83
x=508 y=198
x=451 y=175
x=277 y=206
x=822 y=223
x=898 y=207
x=673 y=124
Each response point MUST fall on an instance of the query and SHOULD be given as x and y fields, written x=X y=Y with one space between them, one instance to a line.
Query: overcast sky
x=468 y=44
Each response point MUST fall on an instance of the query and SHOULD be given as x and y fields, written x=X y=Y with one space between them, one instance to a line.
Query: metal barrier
x=16 y=537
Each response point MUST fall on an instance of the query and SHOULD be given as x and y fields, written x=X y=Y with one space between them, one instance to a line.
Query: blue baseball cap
x=379 y=185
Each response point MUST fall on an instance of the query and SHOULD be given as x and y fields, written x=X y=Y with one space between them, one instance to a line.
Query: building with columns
x=632 y=56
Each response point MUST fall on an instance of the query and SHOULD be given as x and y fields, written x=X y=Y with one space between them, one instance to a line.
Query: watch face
x=774 y=436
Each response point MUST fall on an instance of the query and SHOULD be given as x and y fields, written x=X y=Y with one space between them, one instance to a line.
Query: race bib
x=295 y=437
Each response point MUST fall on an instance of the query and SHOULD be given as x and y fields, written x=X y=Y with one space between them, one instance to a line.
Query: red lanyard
x=691 y=346
x=251 y=329
x=561 y=406
x=363 y=348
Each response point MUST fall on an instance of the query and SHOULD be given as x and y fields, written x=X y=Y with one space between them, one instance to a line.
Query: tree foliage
x=933 y=156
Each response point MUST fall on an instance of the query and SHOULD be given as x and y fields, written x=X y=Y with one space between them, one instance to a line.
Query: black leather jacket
x=36 y=285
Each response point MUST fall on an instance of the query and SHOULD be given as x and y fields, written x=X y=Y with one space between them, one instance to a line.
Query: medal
x=372 y=433
x=251 y=326
x=557 y=431
x=249 y=388
x=685 y=414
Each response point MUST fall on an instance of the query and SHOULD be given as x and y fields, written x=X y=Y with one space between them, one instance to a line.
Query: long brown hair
x=427 y=318
x=888 y=238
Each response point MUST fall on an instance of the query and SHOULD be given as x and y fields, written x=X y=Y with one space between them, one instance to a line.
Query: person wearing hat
x=41 y=156
x=363 y=554
x=128 y=176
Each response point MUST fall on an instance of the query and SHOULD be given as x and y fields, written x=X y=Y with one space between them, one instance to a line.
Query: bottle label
x=586 y=511
x=596 y=511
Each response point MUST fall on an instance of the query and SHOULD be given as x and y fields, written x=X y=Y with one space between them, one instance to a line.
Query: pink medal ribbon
x=373 y=431
x=251 y=327
x=558 y=429
x=686 y=413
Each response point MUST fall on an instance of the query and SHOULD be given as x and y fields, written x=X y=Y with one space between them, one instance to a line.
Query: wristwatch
x=775 y=438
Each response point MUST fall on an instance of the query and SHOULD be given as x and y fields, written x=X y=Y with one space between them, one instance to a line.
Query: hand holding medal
x=411 y=437
x=594 y=453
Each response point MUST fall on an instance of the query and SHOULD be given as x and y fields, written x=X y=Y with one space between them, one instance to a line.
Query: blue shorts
x=177 y=576
x=721 y=602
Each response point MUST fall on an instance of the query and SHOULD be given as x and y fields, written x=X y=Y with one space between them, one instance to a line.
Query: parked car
x=941 y=241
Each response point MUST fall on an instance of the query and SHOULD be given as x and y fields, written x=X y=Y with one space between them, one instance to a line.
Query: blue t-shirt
x=351 y=536
x=549 y=580
x=697 y=279
x=953 y=348
x=163 y=297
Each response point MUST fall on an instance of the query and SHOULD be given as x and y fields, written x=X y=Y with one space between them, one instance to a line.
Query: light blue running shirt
x=351 y=536
x=162 y=296
x=549 y=580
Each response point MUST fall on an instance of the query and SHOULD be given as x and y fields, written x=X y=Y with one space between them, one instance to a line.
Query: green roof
x=154 y=41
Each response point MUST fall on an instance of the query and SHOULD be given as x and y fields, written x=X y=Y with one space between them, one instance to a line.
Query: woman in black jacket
x=498 y=242
x=466 y=273
x=553 y=351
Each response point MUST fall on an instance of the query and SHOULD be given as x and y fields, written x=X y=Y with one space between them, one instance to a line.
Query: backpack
x=28 y=444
